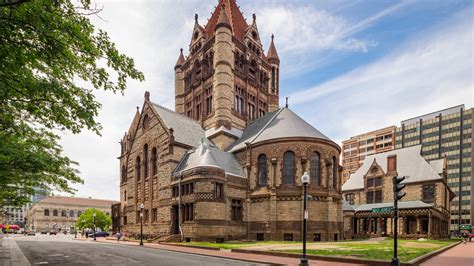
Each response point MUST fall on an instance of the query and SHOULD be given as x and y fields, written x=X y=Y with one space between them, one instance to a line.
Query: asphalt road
x=62 y=250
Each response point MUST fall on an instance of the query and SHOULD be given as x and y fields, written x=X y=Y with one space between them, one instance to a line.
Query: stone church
x=226 y=163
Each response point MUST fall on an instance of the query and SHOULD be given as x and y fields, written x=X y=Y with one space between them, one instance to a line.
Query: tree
x=86 y=220
x=47 y=48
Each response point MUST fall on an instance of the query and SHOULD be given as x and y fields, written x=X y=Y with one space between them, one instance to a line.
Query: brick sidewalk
x=226 y=254
x=460 y=255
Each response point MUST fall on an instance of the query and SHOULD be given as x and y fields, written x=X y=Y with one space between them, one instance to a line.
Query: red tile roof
x=236 y=19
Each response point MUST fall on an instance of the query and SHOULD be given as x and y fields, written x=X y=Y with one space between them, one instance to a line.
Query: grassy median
x=380 y=250
x=366 y=249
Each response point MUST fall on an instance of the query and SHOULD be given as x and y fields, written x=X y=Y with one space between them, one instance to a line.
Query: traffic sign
x=383 y=209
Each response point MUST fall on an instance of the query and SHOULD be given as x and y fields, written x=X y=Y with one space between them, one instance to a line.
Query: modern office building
x=18 y=215
x=355 y=149
x=446 y=133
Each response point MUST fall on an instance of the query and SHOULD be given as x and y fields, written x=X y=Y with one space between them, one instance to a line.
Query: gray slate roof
x=282 y=123
x=409 y=163
x=186 y=130
x=401 y=205
x=206 y=155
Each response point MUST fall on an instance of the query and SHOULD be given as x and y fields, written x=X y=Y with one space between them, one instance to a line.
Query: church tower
x=226 y=81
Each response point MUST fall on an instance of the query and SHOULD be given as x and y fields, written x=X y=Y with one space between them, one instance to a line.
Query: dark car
x=53 y=232
x=99 y=234
x=44 y=232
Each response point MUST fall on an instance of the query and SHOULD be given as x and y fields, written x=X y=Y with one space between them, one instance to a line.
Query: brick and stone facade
x=226 y=164
x=424 y=210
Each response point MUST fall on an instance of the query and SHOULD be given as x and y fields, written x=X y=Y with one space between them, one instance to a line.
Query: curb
x=316 y=257
x=421 y=259
x=189 y=246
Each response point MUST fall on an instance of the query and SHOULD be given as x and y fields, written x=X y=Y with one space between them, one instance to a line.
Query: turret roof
x=234 y=16
x=180 y=60
x=272 y=52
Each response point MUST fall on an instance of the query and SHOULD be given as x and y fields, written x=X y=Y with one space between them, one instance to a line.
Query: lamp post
x=141 y=223
x=93 y=219
x=82 y=220
x=305 y=181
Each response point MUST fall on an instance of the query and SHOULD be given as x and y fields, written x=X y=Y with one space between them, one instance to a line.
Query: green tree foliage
x=48 y=48
x=86 y=220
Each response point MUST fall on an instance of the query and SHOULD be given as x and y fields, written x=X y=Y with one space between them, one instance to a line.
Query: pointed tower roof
x=272 y=52
x=234 y=17
x=181 y=60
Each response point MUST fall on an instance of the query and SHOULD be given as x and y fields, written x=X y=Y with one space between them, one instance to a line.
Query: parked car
x=53 y=232
x=100 y=234
x=44 y=232
x=31 y=233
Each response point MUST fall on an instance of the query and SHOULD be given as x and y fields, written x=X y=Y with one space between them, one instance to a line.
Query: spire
x=223 y=21
x=180 y=59
x=272 y=52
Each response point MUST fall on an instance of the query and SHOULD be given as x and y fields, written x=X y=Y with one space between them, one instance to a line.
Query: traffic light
x=398 y=194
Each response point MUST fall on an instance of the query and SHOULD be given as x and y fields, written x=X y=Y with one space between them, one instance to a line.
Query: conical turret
x=272 y=55
x=180 y=60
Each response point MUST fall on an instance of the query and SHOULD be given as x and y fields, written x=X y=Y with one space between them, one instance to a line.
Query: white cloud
x=432 y=72
x=304 y=32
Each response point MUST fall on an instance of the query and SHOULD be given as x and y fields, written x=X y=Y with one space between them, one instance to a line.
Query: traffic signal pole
x=398 y=194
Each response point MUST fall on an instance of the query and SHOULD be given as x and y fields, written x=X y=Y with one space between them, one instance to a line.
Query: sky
x=348 y=66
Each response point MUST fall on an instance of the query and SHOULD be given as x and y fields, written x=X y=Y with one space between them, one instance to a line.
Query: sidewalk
x=10 y=253
x=460 y=255
x=224 y=254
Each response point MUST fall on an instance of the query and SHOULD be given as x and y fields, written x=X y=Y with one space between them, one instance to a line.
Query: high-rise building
x=446 y=133
x=355 y=149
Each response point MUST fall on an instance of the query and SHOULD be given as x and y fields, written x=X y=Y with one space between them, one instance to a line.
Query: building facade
x=424 y=211
x=355 y=149
x=61 y=213
x=446 y=133
x=18 y=215
x=226 y=164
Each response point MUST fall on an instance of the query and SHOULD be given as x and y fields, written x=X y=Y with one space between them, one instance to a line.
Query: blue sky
x=347 y=66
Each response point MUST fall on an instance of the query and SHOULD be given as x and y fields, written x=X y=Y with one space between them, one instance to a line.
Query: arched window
x=334 y=172
x=314 y=171
x=138 y=168
x=154 y=158
x=79 y=213
x=289 y=168
x=46 y=212
x=55 y=212
x=63 y=213
x=71 y=213
x=145 y=161
x=262 y=170
x=145 y=122
x=124 y=174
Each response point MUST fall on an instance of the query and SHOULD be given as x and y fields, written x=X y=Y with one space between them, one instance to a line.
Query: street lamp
x=93 y=219
x=141 y=223
x=82 y=220
x=305 y=181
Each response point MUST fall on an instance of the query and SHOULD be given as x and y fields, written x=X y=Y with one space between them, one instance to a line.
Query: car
x=99 y=234
x=31 y=233
x=44 y=232
x=53 y=232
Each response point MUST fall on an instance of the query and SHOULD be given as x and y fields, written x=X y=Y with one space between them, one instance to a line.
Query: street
x=64 y=250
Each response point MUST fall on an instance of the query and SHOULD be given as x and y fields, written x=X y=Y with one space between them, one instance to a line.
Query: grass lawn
x=382 y=250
